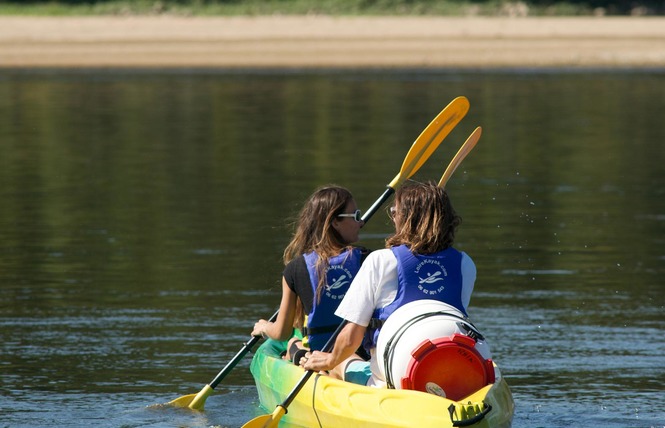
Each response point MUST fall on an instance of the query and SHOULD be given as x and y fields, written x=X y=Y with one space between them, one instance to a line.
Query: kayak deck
x=328 y=402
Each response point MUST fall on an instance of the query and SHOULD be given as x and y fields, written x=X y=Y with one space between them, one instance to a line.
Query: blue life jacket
x=435 y=276
x=322 y=321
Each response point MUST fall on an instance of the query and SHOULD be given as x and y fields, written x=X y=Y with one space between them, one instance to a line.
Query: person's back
x=418 y=263
x=320 y=248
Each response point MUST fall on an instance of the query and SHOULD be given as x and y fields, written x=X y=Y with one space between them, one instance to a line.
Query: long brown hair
x=424 y=218
x=314 y=232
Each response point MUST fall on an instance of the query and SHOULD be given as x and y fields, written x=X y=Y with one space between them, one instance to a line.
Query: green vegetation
x=333 y=7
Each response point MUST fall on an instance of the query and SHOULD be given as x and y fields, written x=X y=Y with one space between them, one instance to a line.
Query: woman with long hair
x=320 y=264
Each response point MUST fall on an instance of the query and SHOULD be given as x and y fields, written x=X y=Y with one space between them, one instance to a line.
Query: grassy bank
x=301 y=7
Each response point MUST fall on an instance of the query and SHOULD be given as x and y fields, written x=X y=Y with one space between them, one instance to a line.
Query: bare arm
x=282 y=328
x=348 y=340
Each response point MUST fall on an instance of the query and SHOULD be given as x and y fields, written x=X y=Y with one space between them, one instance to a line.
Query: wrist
x=330 y=362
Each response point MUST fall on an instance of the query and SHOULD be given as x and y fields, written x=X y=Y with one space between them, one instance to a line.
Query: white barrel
x=410 y=325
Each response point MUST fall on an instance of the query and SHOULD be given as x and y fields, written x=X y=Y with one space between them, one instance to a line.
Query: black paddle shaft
x=326 y=348
x=245 y=349
x=375 y=207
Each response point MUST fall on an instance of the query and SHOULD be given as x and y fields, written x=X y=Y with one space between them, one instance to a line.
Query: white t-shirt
x=375 y=286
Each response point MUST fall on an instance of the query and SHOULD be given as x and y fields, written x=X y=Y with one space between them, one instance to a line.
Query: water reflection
x=143 y=218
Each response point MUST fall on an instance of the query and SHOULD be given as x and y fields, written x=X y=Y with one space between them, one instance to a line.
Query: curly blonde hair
x=425 y=220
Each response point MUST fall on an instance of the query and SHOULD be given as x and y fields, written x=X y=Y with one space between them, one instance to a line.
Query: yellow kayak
x=328 y=402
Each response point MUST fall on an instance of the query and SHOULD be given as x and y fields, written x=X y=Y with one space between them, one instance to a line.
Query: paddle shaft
x=234 y=361
x=375 y=207
x=326 y=348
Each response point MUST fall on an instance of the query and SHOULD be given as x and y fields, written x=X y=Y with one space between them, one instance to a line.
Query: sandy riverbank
x=318 y=41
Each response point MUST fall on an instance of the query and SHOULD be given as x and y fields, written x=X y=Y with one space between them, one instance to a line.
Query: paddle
x=468 y=145
x=272 y=420
x=423 y=147
x=419 y=152
x=197 y=401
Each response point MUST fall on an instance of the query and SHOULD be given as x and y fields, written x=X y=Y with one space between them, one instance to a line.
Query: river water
x=143 y=215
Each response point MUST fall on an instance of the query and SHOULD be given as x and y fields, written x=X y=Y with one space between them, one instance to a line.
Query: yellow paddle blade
x=182 y=401
x=430 y=138
x=468 y=145
x=200 y=400
x=193 y=401
x=267 y=421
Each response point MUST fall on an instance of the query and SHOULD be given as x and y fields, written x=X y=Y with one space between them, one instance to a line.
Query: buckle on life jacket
x=308 y=331
x=375 y=324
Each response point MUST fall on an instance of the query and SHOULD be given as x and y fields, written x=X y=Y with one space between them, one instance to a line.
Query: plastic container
x=425 y=345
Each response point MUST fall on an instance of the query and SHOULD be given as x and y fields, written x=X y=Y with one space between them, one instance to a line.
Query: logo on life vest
x=339 y=279
x=430 y=276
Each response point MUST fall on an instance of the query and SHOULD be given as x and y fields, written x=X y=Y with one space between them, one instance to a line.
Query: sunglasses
x=354 y=215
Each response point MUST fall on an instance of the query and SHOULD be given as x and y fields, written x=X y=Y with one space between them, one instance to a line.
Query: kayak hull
x=328 y=402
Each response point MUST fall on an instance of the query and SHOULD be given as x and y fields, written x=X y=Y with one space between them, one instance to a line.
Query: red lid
x=452 y=363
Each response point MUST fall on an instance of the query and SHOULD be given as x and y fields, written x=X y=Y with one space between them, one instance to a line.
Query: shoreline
x=316 y=42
